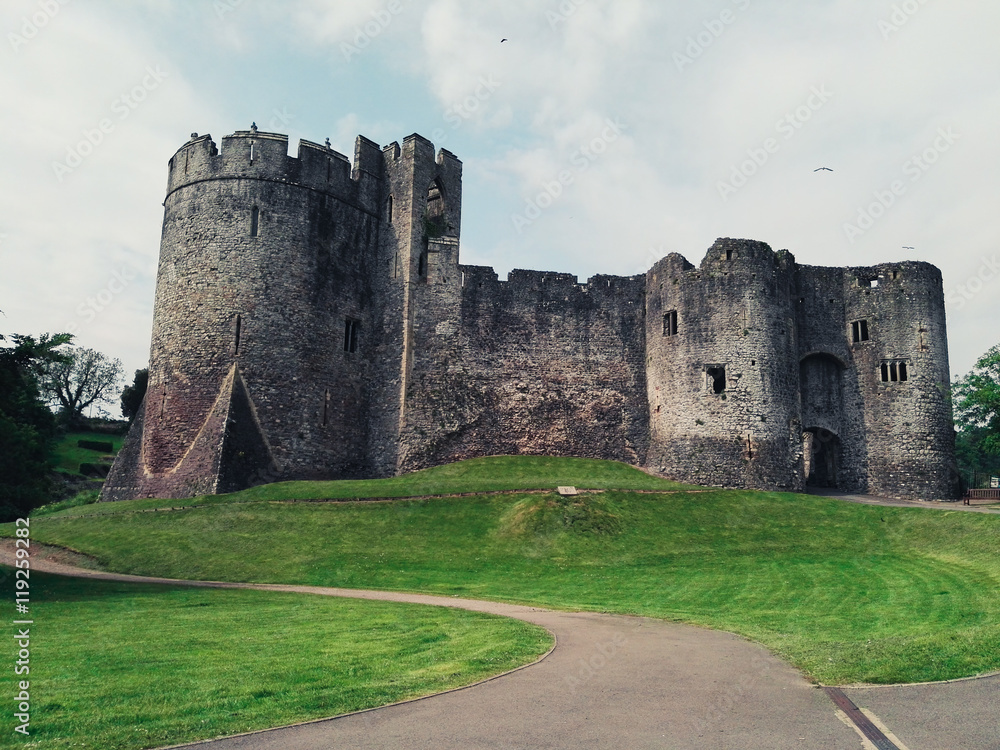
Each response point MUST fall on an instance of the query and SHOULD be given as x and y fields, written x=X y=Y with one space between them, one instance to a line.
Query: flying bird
x=502 y=41
x=905 y=247
x=823 y=169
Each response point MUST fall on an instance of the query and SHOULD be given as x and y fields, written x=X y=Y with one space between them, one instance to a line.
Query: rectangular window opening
x=716 y=378
x=236 y=338
x=351 y=327
x=254 y=221
x=859 y=331
x=670 y=323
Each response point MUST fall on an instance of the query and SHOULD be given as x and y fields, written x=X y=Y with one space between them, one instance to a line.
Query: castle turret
x=258 y=357
x=721 y=372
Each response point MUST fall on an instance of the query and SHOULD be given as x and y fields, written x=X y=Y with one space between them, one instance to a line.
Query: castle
x=312 y=320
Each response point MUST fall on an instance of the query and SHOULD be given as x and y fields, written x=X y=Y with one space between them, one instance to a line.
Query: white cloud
x=566 y=68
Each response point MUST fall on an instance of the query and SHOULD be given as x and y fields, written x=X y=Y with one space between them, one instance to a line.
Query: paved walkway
x=892 y=502
x=627 y=682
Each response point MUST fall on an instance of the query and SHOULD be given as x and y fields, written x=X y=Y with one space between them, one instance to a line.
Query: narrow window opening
x=749 y=447
x=717 y=378
x=236 y=337
x=388 y=210
x=902 y=372
x=422 y=265
x=326 y=407
x=885 y=372
x=254 y=221
x=670 y=323
x=895 y=275
x=187 y=157
x=163 y=402
x=730 y=253
x=859 y=331
x=351 y=334
x=251 y=151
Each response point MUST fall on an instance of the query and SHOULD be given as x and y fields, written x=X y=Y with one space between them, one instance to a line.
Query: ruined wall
x=722 y=373
x=830 y=389
x=537 y=364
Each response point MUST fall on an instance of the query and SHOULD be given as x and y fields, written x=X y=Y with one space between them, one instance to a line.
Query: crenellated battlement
x=258 y=155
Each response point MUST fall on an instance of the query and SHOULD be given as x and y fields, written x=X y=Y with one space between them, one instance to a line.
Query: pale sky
x=602 y=135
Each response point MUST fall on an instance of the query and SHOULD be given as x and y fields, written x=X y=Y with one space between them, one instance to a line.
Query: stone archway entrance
x=821 y=452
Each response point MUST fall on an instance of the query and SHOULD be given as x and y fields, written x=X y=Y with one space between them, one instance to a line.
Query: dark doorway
x=821 y=449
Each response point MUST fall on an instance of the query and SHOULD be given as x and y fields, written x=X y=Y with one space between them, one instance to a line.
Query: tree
x=976 y=400
x=133 y=394
x=82 y=378
x=27 y=425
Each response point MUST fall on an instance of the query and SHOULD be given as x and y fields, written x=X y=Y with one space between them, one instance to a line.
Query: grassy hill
x=845 y=592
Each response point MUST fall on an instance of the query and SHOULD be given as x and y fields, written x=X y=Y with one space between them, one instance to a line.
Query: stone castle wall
x=537 y=364
x=313 y=320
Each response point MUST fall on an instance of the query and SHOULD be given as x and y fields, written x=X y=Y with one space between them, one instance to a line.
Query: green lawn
x=846 y=592
x=69 y=455
x=124 y=666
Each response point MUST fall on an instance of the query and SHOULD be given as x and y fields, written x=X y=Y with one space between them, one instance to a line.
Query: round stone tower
x=903 y=374
x=722 y=374
x=261 y=320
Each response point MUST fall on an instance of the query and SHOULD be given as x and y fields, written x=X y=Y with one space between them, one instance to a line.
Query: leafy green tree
x=27 y=425
x=133 y=394
x=976 y=399
x=81 y=378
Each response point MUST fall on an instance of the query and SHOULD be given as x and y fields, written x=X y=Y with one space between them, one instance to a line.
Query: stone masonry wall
x=723 y=377
x=537 y=364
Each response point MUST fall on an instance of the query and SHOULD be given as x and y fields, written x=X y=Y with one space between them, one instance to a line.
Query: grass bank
x=119 y=666
x=847 y=592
